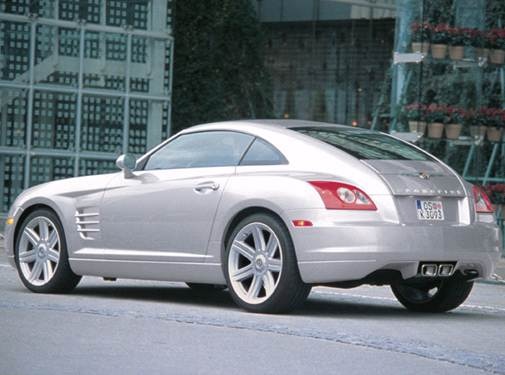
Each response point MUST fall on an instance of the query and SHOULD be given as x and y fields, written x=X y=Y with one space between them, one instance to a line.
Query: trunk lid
x=418 y=183
x=420 y=178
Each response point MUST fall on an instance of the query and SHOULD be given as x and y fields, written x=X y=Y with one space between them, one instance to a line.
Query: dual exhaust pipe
x=436 y=269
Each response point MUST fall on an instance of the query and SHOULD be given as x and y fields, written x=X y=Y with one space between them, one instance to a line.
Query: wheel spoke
x=43 y=230
x=53 y=255
x=255 y=287
x=36 y=271
x=27 y=256
x=31 y=236
x=268 y=282
x=259 y=239
x=53 y=239
x=243 y=273
x=271 y=246
x=46 y=270
x=274 y=265
x=244 y=249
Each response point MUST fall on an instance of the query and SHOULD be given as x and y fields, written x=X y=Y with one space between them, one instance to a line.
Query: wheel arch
x=27 y=211
x=242 y=214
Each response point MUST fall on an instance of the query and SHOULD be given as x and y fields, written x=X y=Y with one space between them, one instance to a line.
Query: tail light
x=482 y=202
x=340 y=196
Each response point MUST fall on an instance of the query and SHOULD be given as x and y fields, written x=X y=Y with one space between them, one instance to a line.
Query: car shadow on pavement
x=169 y=294
x=315 y=306
x=356 y=310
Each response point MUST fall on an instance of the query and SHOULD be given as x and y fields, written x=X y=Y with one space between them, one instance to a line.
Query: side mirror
x=126 y=163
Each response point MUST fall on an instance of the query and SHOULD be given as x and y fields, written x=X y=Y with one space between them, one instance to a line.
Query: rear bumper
x=330 y=252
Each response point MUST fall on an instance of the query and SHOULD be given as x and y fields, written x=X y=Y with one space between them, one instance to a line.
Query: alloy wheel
x=255 y=263
x=39 y=251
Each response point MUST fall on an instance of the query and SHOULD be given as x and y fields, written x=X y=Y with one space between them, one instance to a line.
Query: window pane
x=13 y=117
x=148 y=66
x=364 y=144
x=54 y=120
x=46 y=168
x=105 y=60
x=262 y=153
x=89 y=10
x=132 y=13
x=102 y=123
x=14 y=51
x=139 y=118
x=206 y=149
x=12 y=170
x=90 y=166
x=56 y=55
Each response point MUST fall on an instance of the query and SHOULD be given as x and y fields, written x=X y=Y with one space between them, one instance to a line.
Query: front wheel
x=433 y=296
x=260 y=266
x=41 y=254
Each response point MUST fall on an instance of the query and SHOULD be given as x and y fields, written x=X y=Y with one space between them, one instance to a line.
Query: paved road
x=133 y=327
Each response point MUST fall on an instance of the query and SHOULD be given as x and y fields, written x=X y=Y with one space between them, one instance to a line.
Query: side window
x=262 y=153
x=202 y=149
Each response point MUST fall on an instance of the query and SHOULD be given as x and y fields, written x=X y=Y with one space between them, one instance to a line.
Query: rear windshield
x=364 y=144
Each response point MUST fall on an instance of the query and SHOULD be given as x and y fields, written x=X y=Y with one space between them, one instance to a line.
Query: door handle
x=208 y=185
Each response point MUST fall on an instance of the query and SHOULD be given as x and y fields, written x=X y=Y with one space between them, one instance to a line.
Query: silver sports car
x=267 y=209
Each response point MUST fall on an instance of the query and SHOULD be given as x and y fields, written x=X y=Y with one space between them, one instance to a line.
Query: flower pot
x=481 y=53
x=452 y=131
x=456 y=52
x=478 y=131
x=438 y=51
x=494 y=134
x=423 y=47
x=496 y=56
x=435 y=130
x=417 y=127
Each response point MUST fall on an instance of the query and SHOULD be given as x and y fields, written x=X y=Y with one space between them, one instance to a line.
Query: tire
x=260 y=266
x=450 y=293
x=206 y=288
x=41 y=254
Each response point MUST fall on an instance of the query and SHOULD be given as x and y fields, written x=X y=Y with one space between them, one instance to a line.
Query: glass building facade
x=80 y=83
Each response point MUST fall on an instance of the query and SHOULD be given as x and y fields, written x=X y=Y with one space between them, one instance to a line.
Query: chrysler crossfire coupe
x=267 y=209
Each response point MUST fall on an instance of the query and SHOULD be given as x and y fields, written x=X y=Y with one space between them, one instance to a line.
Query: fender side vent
x=87 y=221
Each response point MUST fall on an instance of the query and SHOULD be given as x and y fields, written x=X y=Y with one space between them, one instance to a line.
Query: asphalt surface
x=133 y=327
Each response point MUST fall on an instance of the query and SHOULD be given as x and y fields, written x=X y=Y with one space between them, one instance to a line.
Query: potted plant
x=496 y=193
x=456 y=43
x=420 y=37
x=495 y=118
x=495 y=40
x=477 y=123
x=416 y=113
x=454 y=122
x=439 y=40
x=436 y=115
x=477 y=39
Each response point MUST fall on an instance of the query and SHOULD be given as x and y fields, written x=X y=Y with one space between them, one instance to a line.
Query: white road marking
x=5 y=265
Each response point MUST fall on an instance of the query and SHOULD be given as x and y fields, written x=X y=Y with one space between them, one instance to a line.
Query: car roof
x=271 y=124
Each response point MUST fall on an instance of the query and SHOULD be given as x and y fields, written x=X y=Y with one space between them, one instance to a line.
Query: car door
x=166 y=211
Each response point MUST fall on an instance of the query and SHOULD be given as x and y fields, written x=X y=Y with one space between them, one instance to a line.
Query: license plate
x=429 y=210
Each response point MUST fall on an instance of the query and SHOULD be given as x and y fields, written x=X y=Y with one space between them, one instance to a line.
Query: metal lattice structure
x=80 y=83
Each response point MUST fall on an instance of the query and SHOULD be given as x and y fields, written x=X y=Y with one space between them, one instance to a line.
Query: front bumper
x=335 y=251
x=9 y=234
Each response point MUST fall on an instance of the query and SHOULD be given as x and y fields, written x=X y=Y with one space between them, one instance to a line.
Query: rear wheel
x=260 y=266
x=41 y=254
x=433 y=296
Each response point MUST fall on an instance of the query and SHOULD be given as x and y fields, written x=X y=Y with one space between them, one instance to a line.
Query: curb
x=494 y=280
